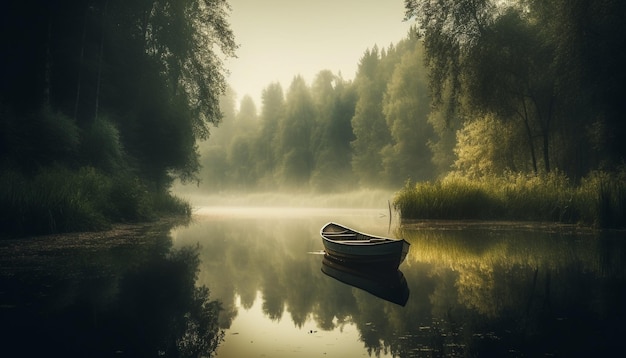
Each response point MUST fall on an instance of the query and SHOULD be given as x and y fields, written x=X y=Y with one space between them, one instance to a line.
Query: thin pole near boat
x=389 y=227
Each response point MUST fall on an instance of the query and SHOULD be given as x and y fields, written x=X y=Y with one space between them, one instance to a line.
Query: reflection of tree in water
x=135 y=299
x=161 y=310
x=521 y=293
x=472 y=293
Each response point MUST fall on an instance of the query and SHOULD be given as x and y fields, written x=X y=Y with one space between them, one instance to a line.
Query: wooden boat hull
x=351 y=246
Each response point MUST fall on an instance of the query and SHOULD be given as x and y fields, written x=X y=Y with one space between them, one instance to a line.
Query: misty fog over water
x=366 y=198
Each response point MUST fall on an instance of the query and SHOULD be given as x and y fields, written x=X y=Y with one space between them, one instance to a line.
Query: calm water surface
x=474 y=290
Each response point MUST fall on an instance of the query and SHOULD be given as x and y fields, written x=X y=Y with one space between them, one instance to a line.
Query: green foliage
x=54 y=200
x=333 y=134
x=544 y=198
x=599 y=199
x=327 y=135
x=240 y=159
x=368 y=124
x=294 y=135
x=450 y=198
x=180 y=37
x=406 y=107
x=102 y=104
x=481 y=151
x=215 y=168
x=443 y=142
x=38 y=138
x=539 y=68
x=101 y=146
x=602 y=197
x=57 y=199
x=169 y=204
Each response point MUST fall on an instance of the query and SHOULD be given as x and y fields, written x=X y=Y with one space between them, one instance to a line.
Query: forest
x=101 y=104
x=330 y=135
x=511 y=107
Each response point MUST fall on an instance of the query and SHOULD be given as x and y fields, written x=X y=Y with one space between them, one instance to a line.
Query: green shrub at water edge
x=54 y=200
x=167 y=203
x=58 y=199
x=547 y=197
x=599 y=200
x=602 y=198
x=450 y=198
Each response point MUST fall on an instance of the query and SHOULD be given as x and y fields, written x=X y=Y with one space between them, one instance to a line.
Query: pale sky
x=280 y=39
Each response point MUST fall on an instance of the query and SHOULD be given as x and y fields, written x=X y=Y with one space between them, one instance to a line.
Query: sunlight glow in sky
x=280 y=39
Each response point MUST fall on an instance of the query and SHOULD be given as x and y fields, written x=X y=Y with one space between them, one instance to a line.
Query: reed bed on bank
x=58 y=199
x=598 y=200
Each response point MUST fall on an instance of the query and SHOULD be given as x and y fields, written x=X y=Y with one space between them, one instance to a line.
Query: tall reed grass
x=58 y=199
x=598 y=200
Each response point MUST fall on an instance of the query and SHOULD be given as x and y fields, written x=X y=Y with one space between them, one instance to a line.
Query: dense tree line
x=332 y=134
x=479 y=88
x=116 y=91
x=108 y=100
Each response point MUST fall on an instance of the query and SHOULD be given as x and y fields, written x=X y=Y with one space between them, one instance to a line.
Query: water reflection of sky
x=473 y=290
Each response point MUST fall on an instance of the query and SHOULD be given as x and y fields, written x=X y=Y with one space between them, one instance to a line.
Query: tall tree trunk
x=547 y=128
x=544 y=122
x=101 y=53
x=48 y=68
x=80 y=62
x=546 y=154
x=529 y=135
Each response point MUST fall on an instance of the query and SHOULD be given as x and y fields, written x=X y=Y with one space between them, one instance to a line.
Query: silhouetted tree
x=335 y=99
x=267 y=142
x=294 y=141
x=368 y=124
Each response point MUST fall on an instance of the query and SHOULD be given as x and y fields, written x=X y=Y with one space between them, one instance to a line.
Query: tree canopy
x=478 y=87
x=549 y=68
x=151 y=69
x=123 y=87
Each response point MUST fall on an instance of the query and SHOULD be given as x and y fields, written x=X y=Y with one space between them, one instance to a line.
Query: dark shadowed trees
x=125 y=87
x=152 y=68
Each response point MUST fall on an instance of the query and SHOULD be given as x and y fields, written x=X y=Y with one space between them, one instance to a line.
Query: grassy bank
x=599 y=199
x=58 y=199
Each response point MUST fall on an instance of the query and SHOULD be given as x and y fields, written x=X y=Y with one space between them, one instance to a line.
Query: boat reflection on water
x=380 y=281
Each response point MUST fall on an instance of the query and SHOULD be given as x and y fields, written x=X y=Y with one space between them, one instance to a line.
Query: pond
x=465 y=289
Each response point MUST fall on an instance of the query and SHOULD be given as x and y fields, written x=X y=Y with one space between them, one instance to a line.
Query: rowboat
x=345 y=244
x=388 y=284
